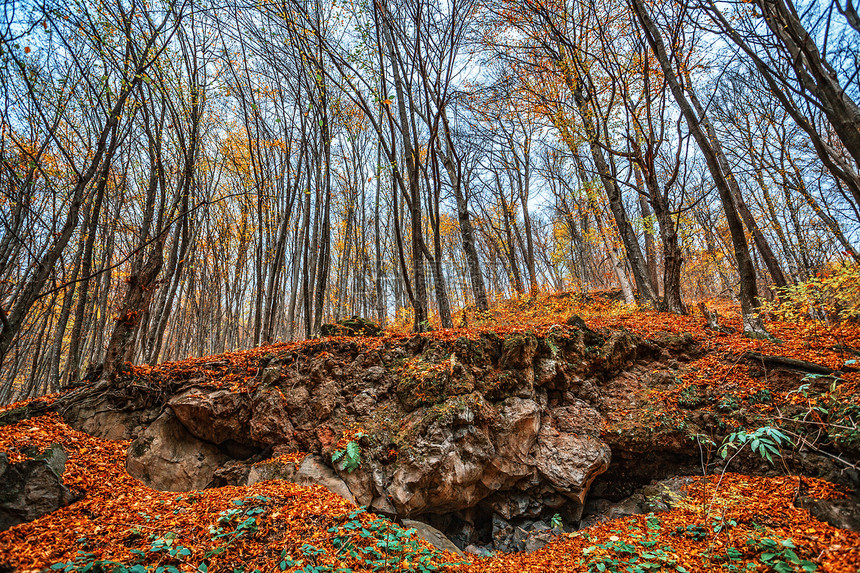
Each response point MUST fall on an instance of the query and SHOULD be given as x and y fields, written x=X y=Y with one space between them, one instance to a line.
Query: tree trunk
x=141 y=283
x=748 y=290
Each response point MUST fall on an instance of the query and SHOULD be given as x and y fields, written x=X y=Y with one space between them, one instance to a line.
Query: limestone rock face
x=32 y=488
x=490 y=426
x=106 y=419
x=167 y=457
x=519 y=464
x=270 y=423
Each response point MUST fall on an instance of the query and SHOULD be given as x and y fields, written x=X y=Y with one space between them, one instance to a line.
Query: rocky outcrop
x=170 y=458
x=505 y=426
x=215 y=417
x=507 y=423
x=842 y=513
x=352 y=326
x=32 y=488
x=655 y=497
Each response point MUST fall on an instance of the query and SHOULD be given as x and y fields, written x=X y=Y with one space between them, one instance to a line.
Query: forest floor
x=727 y=521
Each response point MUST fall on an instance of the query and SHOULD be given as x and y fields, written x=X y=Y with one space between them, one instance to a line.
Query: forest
x=358 y=286
x=184 y=178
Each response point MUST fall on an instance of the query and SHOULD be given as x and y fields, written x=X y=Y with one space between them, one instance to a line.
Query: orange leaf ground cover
x=725 y=528
x=718 y=525
x=121 y=520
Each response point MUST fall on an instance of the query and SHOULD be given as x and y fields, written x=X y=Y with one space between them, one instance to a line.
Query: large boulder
x=443 y=472
x=842 y=513
x=270 y=423
x=167 y=457
x=570 y=462
x=432 y=536
x=215 y=417
x=311 y=471
x=32 y=488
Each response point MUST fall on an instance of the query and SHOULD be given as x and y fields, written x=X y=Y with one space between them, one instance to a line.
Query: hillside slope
x=553 y=419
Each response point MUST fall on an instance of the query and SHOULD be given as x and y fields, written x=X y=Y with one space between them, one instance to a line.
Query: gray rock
x=168 y=457
x=359 y=483
x=841 y=513
x=518 y=350
x=664 y=495
x=518 y=539
x=231 y=473
x=382 y=506
x=312 y=471
x=503 y=533
x=514 y=504
x=570 y=462
x=445 y=471
x=654 y=498
x=537 y=541
x=480 y=551
x=215 y=417
x=633 y=505
x=32 y=488
x=269 y=422
x=547 y=372
x=107 y=421
x=374 y=374
x=432 y=536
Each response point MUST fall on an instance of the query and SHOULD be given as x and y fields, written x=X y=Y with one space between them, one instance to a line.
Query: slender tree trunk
x=748 y=290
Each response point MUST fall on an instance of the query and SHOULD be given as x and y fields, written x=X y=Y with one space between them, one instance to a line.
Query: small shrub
x=831 y=296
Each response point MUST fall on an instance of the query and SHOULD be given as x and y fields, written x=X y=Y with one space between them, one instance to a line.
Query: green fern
x=350 y=456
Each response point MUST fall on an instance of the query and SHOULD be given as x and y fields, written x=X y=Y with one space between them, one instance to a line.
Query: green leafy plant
x=636 y=552
x=236 y=522
x=375 y=543
x=830 y=411
x=556 y=522
x=166 y=549
x=765 y=441
x=350 y=456
x=780 y=555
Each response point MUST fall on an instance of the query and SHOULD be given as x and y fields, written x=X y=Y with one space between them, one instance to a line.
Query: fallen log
x=793 y=363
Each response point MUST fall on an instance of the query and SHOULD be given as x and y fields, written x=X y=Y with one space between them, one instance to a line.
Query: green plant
x=350 y=456
x=166 y=549
x=762 y=396
x=372 y=543
x=779 y=555
x=236 y=522
x=556 y=522
x=728 y=404
x=765 y=441
x=692 y=397
x=693 y=531
x=636 y=553
x=829 y=411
